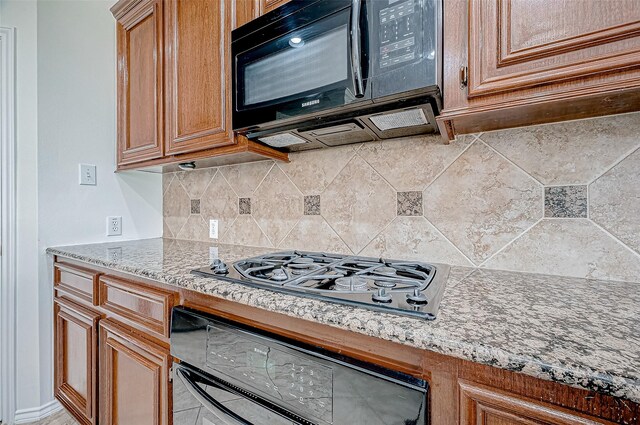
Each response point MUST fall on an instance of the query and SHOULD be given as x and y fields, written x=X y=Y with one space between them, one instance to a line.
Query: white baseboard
x=34 y=414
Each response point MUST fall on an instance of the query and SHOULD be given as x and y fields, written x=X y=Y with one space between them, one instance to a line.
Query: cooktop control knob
x=381 y=296
x=219 y=267
x=417 y=297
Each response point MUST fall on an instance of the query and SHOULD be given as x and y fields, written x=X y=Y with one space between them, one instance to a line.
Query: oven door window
x=196 y=403
x=304 y=70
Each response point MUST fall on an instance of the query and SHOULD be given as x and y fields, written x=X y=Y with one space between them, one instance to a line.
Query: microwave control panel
x=399 y=26
x=298 y=381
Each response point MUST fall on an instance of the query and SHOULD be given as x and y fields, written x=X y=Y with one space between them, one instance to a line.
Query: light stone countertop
x=584 y=333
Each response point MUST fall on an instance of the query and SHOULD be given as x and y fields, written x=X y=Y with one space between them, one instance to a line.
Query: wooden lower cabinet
x=76 y=358
x=134 y=378
x=483 y=405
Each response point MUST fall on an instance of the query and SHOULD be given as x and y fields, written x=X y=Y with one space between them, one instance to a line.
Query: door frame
x=8 y=265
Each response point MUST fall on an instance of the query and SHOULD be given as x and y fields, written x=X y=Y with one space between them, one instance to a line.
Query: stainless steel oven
x=229 y=374
x=315 y=73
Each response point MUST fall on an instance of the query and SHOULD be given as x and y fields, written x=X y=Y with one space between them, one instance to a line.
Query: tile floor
x=59 y=418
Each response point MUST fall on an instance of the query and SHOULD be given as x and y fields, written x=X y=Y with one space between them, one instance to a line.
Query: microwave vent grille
x=282 y=140
x=401 y=119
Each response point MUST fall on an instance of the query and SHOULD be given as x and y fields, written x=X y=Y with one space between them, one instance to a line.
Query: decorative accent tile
x=195 y=206
x=176 y=207
x=245 y=231
x=358 y=204
x=312 y=205
x=196 y=181
x=565 y=201
x=312 y=233
x=312 y=171
x=410 y=203
x=277 y=205
x=219 y=202
x=571 y=152
x=412 y=163
x=615 y=201
x=571 y=247
x=244 y=206
x=482 y=202
x=195 y=229
x=416 y=239
x=245 y=178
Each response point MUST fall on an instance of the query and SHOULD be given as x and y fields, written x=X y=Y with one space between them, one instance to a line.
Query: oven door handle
x=356 y=48
x=210 y=403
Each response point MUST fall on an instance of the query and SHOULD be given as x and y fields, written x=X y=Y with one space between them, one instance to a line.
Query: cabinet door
x=269 y=5
x=140 y=67
x=198 y=74
x=134 y=378
x=76 y=359
x=517 y=44
x=482 y=405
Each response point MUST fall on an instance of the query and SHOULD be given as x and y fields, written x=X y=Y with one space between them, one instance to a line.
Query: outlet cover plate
x=87 y=174
x=213 y=229
x=114 y=226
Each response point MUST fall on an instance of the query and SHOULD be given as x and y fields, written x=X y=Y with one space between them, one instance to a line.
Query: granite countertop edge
x=347 y=318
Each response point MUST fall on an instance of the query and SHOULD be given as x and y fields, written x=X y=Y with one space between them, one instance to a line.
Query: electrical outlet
x=114 y=254
x=213 y=229
x=87 y=174
x=114 y=226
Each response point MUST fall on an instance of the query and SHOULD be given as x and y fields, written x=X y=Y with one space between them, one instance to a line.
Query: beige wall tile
x=245 y=178
x=358 y=204
x=573 y=152
x=166 y=180
x=615 y=201
x=219 y=202
x=416 y=239
x=312 y=171
x=482 y=202
x=195 y=229
x=196 y=181
x=313 y=233
x=245 y=231
x=569 y=247
x=276 y=205
x=412 y=163
x=176 y=206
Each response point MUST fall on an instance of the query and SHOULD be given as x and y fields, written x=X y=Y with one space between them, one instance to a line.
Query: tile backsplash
x=560 y=199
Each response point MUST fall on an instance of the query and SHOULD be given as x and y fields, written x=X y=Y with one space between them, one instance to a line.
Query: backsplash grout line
x=273 y=164
x=450 y=241
x=262 y=230
x=226 y=180
x=511 y=242
x=608 y=233
x=437 y=176
x=618 y=161
x=511 y=162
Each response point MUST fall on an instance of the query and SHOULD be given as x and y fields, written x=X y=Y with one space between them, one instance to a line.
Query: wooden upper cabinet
x=515 y=44
x=269 y=5
x=511 y=63
x=140 y=113
x=134 y=378
x=76 y=359
x=198 y=74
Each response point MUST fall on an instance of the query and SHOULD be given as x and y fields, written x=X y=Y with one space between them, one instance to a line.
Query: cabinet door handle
x=464 y=76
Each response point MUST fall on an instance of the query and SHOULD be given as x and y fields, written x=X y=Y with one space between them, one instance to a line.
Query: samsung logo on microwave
x=259 y=351
x=311 y=102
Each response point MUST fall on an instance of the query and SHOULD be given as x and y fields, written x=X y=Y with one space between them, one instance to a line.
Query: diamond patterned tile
x=245 y=231
x=572 y=152
x=312 y=171
x=176 y=206
x=195 y=229
x=245 y=178
x=312 y=233
x=615 y=201
x=219 y=202
x=482 y=202
x=196 y=181
x=358 y=204
x=412 y=163
x=569 y=247
x=276 y=205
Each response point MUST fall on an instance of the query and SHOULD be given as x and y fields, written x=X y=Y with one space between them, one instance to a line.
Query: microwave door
x=308 y=67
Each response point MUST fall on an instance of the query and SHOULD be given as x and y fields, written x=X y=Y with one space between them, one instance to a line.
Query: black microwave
x=317 y=73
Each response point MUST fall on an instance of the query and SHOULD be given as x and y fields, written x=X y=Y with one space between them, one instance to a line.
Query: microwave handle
x=210 y=403
x=356 y=44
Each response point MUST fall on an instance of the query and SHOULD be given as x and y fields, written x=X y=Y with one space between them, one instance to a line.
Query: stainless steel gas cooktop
x=394 y=286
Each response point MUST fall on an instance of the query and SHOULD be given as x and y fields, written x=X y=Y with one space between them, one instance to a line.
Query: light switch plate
x=213 y=229
x=88 y=174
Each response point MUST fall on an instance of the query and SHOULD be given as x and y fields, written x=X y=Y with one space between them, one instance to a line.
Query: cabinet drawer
x=134 y=304
x=76 y=282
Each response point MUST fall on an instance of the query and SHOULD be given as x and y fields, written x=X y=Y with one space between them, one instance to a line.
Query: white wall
x=66 y=115
x=22 y=14
x=77 y=124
